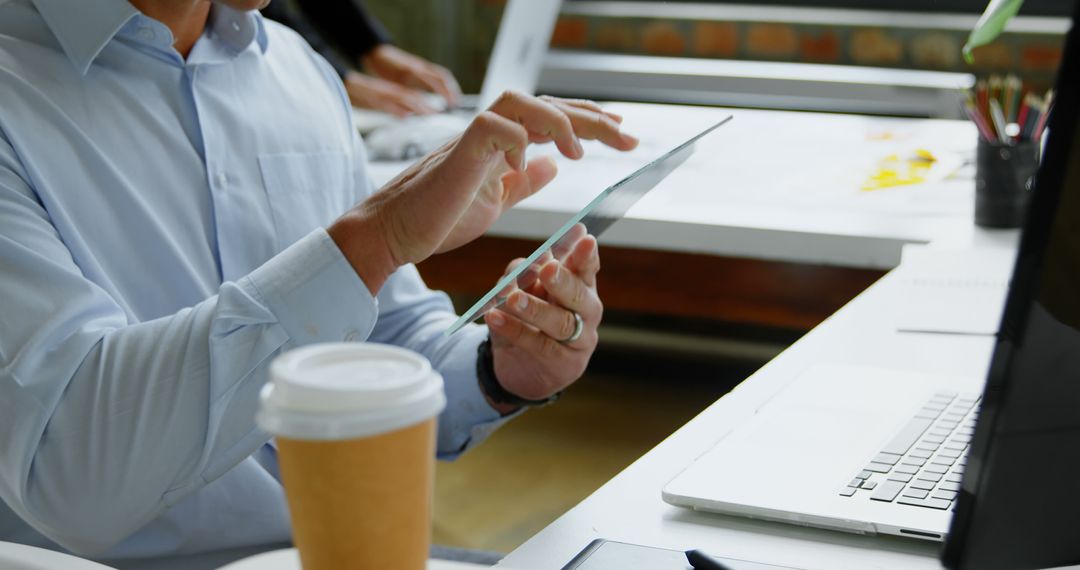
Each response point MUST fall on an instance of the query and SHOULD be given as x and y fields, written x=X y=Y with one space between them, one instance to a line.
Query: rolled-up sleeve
x=107 y=422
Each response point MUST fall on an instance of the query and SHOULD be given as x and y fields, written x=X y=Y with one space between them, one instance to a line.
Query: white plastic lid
x=345 y=390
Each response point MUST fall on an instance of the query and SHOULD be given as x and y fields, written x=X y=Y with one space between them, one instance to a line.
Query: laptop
x=858 y=449
x=520 y=46
x=879 y=451
x=515 y=64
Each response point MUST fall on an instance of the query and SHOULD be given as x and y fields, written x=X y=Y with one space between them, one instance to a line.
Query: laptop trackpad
x=832 y=409
x=809 y=425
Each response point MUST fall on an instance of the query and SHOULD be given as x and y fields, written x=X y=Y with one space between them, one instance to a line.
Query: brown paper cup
x=356 y=447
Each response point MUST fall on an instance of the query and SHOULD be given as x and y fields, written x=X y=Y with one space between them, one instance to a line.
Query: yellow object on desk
x=893 y=171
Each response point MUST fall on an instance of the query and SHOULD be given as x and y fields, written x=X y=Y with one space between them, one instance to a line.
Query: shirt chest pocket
x=305 y=190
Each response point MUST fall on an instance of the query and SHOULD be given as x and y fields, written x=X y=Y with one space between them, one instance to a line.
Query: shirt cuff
x=315 y=293
x=468 y=418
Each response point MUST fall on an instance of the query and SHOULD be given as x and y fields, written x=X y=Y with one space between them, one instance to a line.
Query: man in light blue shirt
x=167 y=169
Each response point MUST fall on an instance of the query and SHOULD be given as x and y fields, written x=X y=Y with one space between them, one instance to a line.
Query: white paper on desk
x=953 y=291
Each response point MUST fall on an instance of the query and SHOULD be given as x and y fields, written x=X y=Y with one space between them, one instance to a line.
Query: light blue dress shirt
x=160 y=243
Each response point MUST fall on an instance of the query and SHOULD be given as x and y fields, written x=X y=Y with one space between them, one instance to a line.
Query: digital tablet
x=596 y=217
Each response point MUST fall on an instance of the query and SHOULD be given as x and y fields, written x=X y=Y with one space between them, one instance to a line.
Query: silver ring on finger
x=579 y=327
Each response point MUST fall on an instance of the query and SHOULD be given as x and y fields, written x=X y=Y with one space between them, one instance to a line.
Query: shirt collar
x=84 y=27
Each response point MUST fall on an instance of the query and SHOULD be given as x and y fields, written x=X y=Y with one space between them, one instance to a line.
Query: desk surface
x=629 y=507
x=771 y=185
x=776 y=186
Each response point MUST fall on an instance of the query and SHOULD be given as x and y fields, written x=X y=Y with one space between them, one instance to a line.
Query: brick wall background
x=460 y=33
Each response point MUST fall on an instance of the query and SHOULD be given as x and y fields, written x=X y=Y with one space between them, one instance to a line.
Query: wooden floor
x=546 y=461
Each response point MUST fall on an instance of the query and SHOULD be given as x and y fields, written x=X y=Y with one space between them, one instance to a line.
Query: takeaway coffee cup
x=355 y=429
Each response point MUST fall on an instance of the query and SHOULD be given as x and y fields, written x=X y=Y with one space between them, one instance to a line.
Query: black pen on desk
x=701 y=561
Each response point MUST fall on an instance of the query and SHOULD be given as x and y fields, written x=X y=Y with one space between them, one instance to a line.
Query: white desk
x=772 y=198
x=782 y=187
x=629 y=507
x=771 y=185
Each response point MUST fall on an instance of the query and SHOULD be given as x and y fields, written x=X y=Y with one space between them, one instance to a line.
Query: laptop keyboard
x=924 y=463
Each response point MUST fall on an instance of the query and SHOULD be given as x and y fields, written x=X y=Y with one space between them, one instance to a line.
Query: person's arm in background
x=364 y=91
x=283 y=12
x=364 y=41
x=348 y=24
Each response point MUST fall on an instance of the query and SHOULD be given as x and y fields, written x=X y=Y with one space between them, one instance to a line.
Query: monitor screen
x=1020 y=497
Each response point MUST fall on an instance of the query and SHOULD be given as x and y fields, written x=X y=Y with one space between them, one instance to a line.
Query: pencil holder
x=1004 y=174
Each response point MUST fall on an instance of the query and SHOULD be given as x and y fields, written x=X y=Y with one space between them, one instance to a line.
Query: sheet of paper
x=953 y=291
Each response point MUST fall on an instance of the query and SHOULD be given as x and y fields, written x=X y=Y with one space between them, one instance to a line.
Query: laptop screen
x=520 y=47
x=1020 y=498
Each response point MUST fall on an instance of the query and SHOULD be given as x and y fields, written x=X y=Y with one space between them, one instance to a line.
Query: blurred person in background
x=344 y=32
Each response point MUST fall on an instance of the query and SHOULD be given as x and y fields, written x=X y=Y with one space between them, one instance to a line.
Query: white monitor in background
x=520 y=47
x=515 y=64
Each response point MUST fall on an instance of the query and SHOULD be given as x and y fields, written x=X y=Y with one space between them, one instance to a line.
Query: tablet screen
x=596 y=217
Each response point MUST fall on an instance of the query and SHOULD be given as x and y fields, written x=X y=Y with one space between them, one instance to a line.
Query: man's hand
x=454 y=194
x=404 y=68
x=528 y=332
x=381 y=95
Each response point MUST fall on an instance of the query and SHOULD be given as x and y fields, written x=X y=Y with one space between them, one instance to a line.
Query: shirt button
x=352 y=336
x=221 y=179
x=146 y=34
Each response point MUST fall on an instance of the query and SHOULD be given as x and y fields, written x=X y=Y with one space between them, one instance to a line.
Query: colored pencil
x=1044 y=117
x=1005 y=111
x=999 y=120
x=1036 y=105
x=982 y=100
x=1011 y=102
x=980 y=122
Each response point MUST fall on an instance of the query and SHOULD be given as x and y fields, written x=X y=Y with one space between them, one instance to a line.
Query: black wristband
x=485 y=372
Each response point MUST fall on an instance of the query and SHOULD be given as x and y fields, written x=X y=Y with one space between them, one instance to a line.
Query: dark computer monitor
x=1019 y=506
